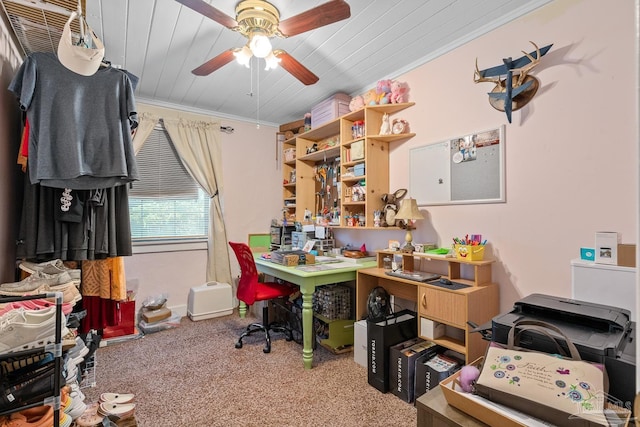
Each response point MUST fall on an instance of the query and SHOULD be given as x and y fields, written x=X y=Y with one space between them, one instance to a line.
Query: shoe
x=120 y=411
x=39 y=416
x=118 y=398
x=50 y=267
x=90 y=417
x=35 y=304
x=64 y=420
x=70 y=292
x=76 y=393
x=79 y=349
x=29 y=366
x=26 y=329
x=18 y=363
x=75 y=408
x=30 y=388
x=35 y=281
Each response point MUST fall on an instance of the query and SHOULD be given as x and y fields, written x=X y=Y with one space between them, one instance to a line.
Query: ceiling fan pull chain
x=258 y=96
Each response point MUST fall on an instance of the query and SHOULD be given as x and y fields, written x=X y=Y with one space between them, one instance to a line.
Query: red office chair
x=251 y=290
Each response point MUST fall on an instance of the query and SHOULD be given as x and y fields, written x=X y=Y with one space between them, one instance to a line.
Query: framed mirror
x=462 y=170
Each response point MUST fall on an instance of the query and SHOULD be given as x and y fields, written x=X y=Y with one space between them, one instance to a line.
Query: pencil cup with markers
x=469 y=248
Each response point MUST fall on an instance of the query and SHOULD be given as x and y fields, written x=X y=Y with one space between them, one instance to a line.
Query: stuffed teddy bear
x=391 y=205
x=398 y=92
x=357 y=102
x=370 y=97
x=383 y=89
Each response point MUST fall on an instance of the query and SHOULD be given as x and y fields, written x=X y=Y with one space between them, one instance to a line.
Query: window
x=166 y=203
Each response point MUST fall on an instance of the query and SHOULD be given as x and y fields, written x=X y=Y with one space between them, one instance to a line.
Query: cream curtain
x=198 y=145
x=146 y=123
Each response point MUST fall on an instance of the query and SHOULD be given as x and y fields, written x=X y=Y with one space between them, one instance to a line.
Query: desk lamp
x=409 y=213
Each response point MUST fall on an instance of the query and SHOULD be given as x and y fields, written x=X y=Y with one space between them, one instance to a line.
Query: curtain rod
x=225 y=129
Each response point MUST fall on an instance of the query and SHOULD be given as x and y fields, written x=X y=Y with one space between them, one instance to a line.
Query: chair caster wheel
x=266 y=350
x=239 y=344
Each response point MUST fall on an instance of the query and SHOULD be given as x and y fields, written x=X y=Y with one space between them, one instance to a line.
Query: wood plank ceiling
x=161 y=41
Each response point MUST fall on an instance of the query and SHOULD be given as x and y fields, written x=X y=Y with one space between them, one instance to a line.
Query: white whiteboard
x=462 y=170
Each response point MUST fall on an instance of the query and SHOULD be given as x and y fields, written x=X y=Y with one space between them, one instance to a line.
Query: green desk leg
x=242 y=309
x=307 y=329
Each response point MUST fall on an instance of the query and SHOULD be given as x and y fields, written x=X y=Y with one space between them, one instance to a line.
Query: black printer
x=601 y=333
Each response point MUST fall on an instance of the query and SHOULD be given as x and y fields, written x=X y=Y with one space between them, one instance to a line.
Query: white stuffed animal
x=385 y=128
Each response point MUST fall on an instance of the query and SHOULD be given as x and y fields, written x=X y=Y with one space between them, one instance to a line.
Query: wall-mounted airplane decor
x=514 y=87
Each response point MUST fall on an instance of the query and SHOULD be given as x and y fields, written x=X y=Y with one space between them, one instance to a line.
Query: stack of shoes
x=42 y=283
x=55 y=266
x=117 y=408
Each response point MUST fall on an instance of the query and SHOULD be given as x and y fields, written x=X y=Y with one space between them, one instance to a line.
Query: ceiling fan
x=259 y=21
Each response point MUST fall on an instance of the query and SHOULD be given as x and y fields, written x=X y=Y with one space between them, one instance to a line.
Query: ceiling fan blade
x=209 y=11
x=295 y=68
x=325 y=14
x=213 y=64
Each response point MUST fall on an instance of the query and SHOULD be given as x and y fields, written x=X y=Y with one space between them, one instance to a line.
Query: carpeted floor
x=192 y=376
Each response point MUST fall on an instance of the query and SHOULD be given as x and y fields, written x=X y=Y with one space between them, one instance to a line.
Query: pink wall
x=571 y=154
x=251 y=197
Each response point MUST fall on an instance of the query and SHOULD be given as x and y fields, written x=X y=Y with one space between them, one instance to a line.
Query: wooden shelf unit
x=375 y=161
x=478 y=303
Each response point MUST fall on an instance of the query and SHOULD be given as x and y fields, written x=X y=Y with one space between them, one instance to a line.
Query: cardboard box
x=292 y=258
x=402 y=365
x=330 y=109
x=626 y=255
x=360 y=342
x=152 y=316
x=430 y=370
x=430 y=329
x=357 y=150
x=607 y=247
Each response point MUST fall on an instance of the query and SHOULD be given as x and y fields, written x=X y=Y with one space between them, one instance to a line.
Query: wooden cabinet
x=477 y=303
x=337 y=175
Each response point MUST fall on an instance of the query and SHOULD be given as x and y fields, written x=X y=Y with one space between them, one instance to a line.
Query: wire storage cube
x=333 y=302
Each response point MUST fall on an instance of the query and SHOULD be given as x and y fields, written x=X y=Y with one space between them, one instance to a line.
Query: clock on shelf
x=400 y=126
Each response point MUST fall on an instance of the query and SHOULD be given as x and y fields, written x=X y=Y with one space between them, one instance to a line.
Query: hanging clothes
x=103 y=284
x=103 y=229
x=80 y=126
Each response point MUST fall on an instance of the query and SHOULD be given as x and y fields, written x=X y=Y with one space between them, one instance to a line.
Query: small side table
x=434 y=411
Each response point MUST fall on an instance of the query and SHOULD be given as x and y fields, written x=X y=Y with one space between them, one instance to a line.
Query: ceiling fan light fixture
x=260 y=44
x=271 y=61
x=243 y=56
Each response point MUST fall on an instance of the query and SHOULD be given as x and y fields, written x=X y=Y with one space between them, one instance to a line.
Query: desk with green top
x=334 y=273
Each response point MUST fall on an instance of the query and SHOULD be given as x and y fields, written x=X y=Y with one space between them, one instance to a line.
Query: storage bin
x=469 y=252
x=332 y=302
x=358 y=170
x=212 y=299
x=289 y=154
x=330 y=109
